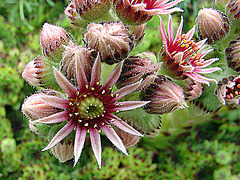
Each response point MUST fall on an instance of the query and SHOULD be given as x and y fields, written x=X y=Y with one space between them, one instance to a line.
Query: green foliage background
x=188 y=146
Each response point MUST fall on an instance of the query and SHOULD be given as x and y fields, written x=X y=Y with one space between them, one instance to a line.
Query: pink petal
x=169 y=11
x=171 y=4
x=55 y=101
x=96 y=145
x=112 y=79
x=170 y=30
x=163 y=32
x=55 y=118
x=113 y=137
x=96 y=71
x=179 y=31
x=128 y=105
x=200 y=43
x=81 y=76
x=190 y=33
x=65 y=84
x=209 y=62
x=199 y=78
x=79 y=142
x=124 y=91
x=125 y=127
x=207 y=70
x=62 y=133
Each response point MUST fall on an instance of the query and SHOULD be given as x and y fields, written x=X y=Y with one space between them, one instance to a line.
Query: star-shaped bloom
x=90 y=108
x=181 y=55
x=136 y=12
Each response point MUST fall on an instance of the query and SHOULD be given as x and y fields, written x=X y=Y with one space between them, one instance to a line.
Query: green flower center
x=90 y=108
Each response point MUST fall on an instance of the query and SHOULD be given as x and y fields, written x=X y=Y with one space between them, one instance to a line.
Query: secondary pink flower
x=181 y=55
x=90 y=109
x=136 y=12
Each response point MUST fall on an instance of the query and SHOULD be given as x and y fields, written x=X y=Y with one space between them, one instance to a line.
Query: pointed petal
x=179 y=31
x=162 y=30
x=55 y=118
x=96 y=145
x=81 y=76
x=125 y=127
x=62 y=133
x=79 y=142
x=128 y=105
x=207 y=70
x=55 y=101
x=113 y=137
x=190 y=33
x=200 y=78
x=170 y=30
x=65 y=84
x=125 y=91
x=209 y=62
x=200 y=43
x=96 y=71
x=112 y=79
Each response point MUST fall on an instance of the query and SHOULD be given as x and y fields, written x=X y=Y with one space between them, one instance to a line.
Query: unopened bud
x=73 y=16
x=233 y=11
x=52 y=39
x=139 y=32
x=112 y=41
x=64 y=150
x=128 y=139
x=34 y=108
x=91 y=10
x=192 y=89
x=135 y=13
x=232 y=54
x=137 y=67
x=212 y=24
x=37 y=72
x=70 y=55
x=165 y=96
x=228 y=91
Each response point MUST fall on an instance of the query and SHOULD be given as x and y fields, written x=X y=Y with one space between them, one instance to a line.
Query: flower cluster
x=75 y=106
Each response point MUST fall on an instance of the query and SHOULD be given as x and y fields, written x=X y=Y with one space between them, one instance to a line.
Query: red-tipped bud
x=232 y=54
x=212 y=24
x=112 y=41
x=137 y=67
x=73 y=16
x=34 y=108
x=233 y=11
x=52 y=39
x=64 y=150
x=128 y=139
x=91 y=10
x=70 y=55
x=192 y=89
x=228 y=91
x=37 y=72
x=135 y=13
x=165 y=96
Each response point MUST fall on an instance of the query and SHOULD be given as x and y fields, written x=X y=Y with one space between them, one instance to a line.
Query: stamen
x=102 y=123
x=112 y=120
x=70 y=115
x=99 y=131
x=86 y=124
x=88 y=131
x=103 y=91
x=95 y=125
x=70 y=104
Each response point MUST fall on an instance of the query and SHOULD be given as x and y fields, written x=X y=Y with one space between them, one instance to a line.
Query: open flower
x=181 y=55
x=136 y=12
x=90 y=109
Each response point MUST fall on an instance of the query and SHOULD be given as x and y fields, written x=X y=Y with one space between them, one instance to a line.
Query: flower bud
x=73 y=16
x=37 y=72
x=165 y=96
x=64 y=150
x=52 y=39
x=233 y=11
x=128 y=139
x=228 y=91
x=139 y=32
x=112 y=41
x=212 y=24
x=232 y=54
x=139 y=12
x=91 y=10
x=135 y=68
x=68 y=62
x=192 y=89
x=34 y=108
